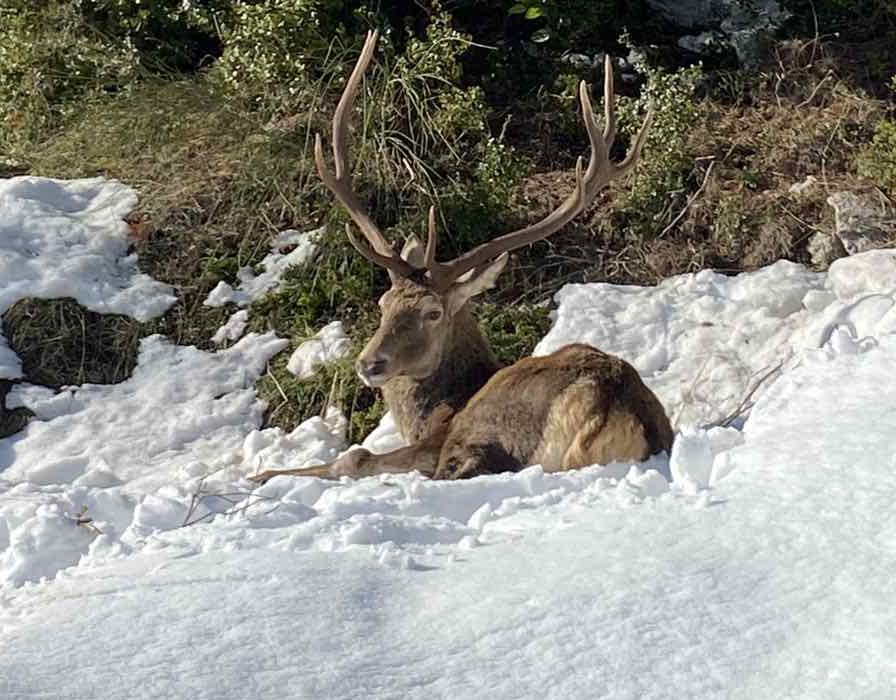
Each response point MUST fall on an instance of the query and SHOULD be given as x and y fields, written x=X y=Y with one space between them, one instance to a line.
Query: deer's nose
x=372 y=370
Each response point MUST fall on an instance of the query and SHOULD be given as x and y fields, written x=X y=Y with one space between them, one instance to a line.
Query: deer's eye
x=433 y=315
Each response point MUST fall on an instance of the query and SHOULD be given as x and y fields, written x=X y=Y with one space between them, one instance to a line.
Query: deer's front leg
x=422 y=456
x=350 y=464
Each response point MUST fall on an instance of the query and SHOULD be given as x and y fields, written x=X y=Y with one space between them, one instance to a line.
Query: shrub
x=671 y=97
x=273 y=49
x=168 y=34
x=423 y=138
x=54 y=53
x=421 y=122
x=666 y=161
x=482 y=207
x=49 y=57
x=828 y=15
x=878 y=160
x=574 y=24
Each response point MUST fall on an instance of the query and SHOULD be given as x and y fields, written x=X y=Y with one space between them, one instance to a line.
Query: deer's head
x=427 y=296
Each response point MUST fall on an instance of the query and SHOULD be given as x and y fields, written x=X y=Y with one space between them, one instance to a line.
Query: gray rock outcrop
x=743 y=25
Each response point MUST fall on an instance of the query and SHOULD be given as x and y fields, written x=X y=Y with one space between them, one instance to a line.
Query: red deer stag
x=460 y=412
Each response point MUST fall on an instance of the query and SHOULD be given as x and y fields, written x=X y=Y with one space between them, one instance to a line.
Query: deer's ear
x=474 y=282
x=413 y=252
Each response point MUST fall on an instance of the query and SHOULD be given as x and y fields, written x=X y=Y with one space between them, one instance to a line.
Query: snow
x=252 y=286
x=779 y=586
x=126 y=450
x=233 y=328
x=10 y=364
x=329 y=344
x=68 y=239
x=754 y=561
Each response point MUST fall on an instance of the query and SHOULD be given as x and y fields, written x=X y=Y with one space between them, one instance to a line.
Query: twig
x=800 y=221
x=690 y=201
x=195 y=498
x=238 y=505
x=689 y=394
x=279 y=389
x=85 y=521
x=745 y=404
x=821 y=82
x=277 y=384
x=815 y=40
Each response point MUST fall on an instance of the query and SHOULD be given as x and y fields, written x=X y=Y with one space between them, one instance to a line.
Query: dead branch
x=690 y=201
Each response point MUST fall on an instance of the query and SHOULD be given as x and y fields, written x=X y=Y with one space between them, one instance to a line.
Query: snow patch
x=252 y=286
x=67 y=238
x=233 y=329
x=179 y=420
x=329 y=344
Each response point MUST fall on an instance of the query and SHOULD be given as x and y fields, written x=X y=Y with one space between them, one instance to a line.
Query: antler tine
x=609 y=104
x=601 y=170
x=394 y=264
x=378 y=250
x=634 y=152
x=432 y=235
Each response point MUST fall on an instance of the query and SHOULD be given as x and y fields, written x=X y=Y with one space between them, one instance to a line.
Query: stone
x=824 y=249
x=863 y=221
x=745 y=26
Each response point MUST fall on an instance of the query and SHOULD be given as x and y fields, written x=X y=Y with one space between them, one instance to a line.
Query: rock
x=745 y=26
x=806 y=187
x=862 y=221
x=824 y=249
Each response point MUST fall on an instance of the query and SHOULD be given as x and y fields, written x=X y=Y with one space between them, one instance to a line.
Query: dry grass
x=61 y=343
x=807 y=114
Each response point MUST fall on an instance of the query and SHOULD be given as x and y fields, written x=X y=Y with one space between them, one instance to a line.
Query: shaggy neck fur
x=467 y=364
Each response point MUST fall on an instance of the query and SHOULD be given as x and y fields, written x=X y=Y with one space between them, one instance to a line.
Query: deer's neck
x=467 y=364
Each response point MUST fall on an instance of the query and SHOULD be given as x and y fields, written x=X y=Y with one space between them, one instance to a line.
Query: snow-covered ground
x=758 y=562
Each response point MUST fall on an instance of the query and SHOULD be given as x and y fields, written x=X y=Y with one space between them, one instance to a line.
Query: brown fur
x=575 y=407
x=449 y=361
x=464 y=416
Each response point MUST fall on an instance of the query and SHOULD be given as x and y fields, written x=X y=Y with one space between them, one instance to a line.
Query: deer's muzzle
x=372 y=371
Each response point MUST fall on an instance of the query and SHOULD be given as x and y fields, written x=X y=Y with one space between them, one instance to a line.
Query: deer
x=462 y=413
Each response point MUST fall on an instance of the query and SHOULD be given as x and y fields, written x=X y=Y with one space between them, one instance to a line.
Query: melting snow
x=252 y=286
x=328 y=345
x=233 y=329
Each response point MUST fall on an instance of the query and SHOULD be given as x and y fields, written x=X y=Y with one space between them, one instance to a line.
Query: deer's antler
x=589 y=181
x=601 y=170
x=375 y=247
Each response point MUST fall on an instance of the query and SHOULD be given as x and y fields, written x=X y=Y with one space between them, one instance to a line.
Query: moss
x=291 y=401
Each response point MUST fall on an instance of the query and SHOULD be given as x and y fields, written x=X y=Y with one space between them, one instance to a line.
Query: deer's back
x=574 y=407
